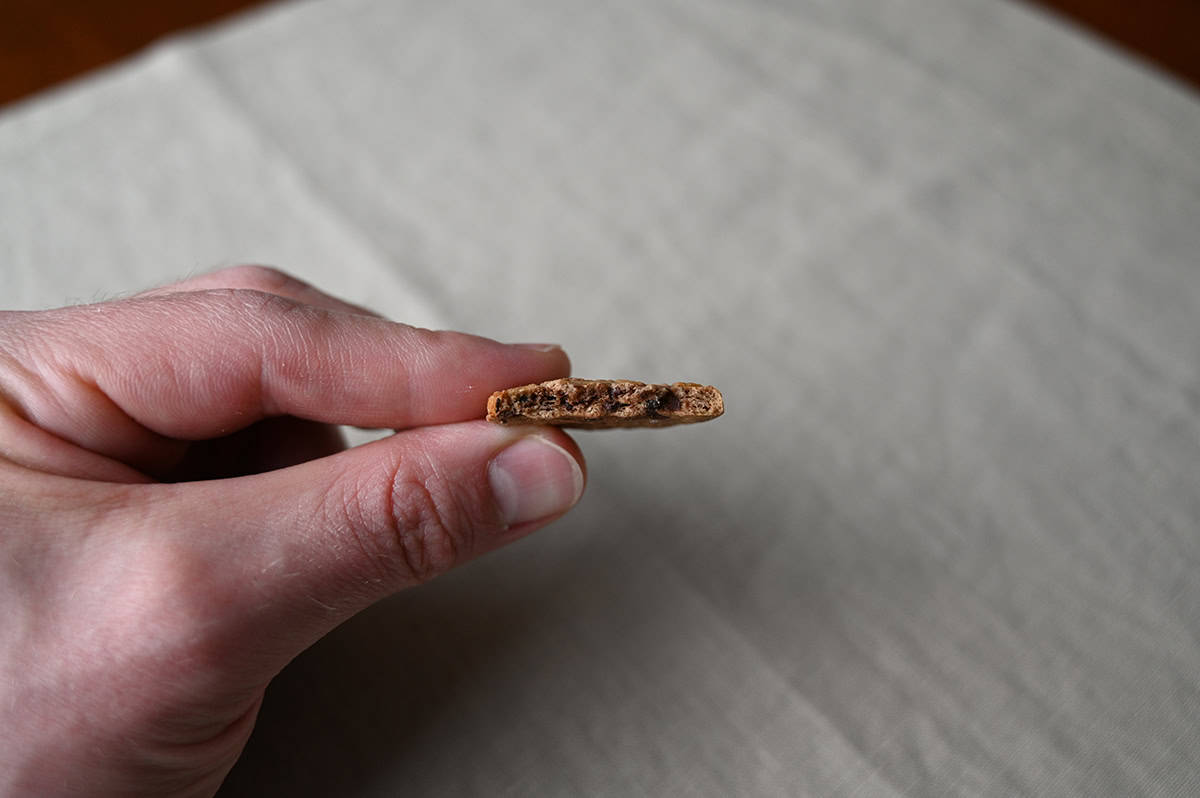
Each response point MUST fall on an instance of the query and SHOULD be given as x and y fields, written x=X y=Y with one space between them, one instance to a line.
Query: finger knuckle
x=264 y=304
x=261 y=277
x=426 y=530
x=241 y=305
x=268 y=321
x=422 y=531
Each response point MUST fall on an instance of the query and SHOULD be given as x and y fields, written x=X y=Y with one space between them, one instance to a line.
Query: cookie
x=599 y=404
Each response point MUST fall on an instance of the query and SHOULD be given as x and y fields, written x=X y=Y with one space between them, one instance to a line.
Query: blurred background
x=44 y=43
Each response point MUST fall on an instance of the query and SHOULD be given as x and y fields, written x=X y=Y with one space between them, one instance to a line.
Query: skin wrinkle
x=233 y=308
x=67 y=382
x=310 y=527
x=357 y=519
x=450 y=513
x=25 y=445
x=278 y=343
x=178 y=372
x=490 y=519
x=418 y=344
x=14 y=351
x=34 y=389
x=420 y=534
x=14 y=407
x=183 y=371
x=78 y=372
x=415 y=526
x=279 y=335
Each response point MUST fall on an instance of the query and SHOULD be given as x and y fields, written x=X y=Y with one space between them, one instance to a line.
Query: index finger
x=197 y=365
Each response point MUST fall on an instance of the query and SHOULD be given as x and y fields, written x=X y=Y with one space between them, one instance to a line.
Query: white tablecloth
x=942 y=255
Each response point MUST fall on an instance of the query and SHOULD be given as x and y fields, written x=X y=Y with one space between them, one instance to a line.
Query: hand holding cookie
x=180 y=519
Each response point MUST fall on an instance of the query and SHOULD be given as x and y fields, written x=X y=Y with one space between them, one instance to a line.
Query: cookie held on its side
x=598 y=404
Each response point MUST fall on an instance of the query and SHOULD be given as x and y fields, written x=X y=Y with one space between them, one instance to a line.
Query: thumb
x=344 y=531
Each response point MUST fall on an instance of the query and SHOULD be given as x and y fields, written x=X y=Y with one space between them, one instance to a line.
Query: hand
x=178 y=520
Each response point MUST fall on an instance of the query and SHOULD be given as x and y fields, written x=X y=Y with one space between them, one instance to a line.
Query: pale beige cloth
x=942 y=255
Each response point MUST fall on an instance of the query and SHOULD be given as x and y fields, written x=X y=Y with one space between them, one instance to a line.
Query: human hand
x=155 y=575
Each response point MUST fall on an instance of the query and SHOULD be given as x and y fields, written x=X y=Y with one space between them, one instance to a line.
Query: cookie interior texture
x=580 y=403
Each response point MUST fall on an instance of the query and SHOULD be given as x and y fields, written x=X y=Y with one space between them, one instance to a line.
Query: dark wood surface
x=44 y=42
x=1166 y=33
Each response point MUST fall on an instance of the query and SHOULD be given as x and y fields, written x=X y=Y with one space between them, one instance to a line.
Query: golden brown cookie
x=605 y=403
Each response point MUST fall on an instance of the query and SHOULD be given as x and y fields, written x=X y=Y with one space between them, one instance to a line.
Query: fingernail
x=538 y=347
x=534 y=479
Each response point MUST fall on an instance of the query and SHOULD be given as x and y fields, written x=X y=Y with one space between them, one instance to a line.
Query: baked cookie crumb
x=600 y=404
